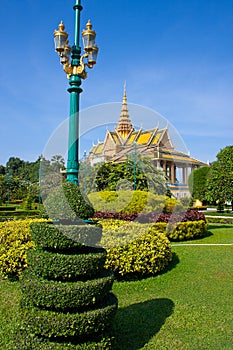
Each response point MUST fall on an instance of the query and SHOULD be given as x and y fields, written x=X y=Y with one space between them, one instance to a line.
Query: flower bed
x=189 y=215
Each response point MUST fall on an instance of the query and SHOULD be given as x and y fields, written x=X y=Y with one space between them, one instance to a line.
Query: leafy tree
x=7 y=187
x=220 y=178
x=15 y=165
x=112 y=175
x=2 y=170
x=3 y=189
x=197 y=183
x=28 y=202
x=19 y=177
x=153 y=178
x=57 y=162
x=168 y=193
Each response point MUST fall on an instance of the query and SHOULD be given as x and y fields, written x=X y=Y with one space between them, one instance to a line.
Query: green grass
x=9 y=301
x=187 y=308
x=217 y=234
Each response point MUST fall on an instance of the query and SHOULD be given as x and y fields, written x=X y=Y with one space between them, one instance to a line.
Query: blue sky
x=175 y=55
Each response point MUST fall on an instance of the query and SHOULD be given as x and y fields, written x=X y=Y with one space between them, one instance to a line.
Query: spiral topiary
x=66 y=303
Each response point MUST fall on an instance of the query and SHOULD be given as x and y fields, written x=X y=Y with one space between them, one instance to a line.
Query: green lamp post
x=75 y=68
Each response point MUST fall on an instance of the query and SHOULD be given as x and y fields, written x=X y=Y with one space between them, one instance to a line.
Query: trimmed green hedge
x=6 y=208
x=60 y=325
x=65 y=295
x=66 y=289
x=67 y=202
x=65 y=237
x=62 y=267
x=218 y=220
x=25 y=341
x=20 y=214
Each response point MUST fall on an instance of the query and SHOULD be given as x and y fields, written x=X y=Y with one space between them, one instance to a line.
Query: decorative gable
x=164 y=140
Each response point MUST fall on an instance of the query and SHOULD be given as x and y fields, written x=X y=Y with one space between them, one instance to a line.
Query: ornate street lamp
x=74 y=65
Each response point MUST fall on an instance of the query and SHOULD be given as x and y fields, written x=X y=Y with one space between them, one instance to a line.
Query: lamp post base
x=72 y=175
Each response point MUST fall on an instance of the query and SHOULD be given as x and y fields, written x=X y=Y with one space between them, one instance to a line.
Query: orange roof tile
x=144 y=138
x=156 y=138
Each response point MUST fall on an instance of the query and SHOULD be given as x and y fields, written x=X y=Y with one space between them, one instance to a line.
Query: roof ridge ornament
x=124 y=126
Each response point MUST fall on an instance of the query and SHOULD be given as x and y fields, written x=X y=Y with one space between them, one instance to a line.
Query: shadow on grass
x=175 y=260
x=136 y=324
x=206 y=235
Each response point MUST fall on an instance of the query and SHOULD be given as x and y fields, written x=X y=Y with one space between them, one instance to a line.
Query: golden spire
x=124 y=126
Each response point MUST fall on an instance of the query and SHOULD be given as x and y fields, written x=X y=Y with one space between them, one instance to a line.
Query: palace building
x=154 y=143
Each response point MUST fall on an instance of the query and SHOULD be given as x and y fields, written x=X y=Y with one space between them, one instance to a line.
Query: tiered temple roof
x=124 y=140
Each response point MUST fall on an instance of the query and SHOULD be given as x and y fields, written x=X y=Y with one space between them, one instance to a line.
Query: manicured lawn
x=187 y=308
x=218 y=234
x=9 y=301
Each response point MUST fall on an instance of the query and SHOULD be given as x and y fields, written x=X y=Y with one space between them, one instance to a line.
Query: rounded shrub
x=186 y=230
x=66 y=296
x=66 y=267
x=66 y=202
x=127 y=202
x=145 y=256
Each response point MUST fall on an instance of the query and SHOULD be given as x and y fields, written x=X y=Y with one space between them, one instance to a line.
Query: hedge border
x=20 y=213
x=218 y=220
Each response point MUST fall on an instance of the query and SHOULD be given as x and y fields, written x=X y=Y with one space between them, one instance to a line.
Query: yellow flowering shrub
x=184 y=231
x=146 y=255
x=15 y=240
x=135 y=249
x=128 y=202
x=144 y=249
